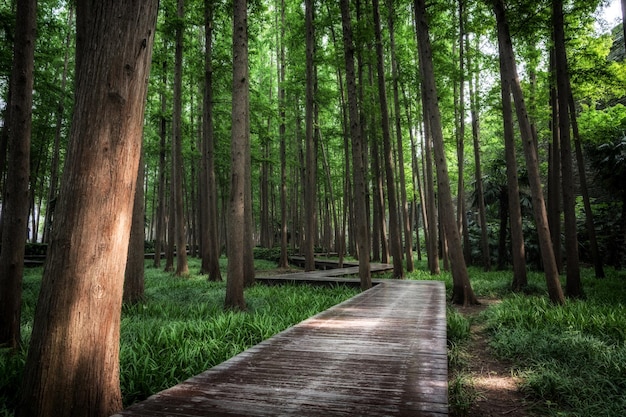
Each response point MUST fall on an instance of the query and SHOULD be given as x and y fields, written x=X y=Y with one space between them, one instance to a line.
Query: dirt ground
x=496 y=386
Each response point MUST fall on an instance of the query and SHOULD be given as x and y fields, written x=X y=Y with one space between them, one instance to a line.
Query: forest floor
x=496 y=386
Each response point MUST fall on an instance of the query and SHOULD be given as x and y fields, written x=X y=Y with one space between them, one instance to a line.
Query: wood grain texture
x=380 y=353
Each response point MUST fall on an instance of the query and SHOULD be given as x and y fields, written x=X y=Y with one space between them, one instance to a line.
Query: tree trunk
x=134 y=274
x=530 y=152
x=394 y=224
x=162 y=194
x=589 y=222
x=573 y=283
x=16 y=201
x=518 y=251
x=462 y=292
x=404 y=208
x=210 y=237
x=284 y=259
x=182 y=267
x=478 y=177
x=72 y=367
x=360 y=187
x=311 y=157
x=554 y=172
x=240 y=140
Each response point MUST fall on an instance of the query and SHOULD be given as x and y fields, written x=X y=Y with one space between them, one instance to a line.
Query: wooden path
x=331 y=274
x=381 y=353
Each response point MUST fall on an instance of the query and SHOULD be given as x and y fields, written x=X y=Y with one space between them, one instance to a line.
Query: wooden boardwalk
x=381 y=353
x=331 y=274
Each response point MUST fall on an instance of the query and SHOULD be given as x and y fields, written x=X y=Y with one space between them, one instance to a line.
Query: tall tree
x=395 y=237
x=360 y=188
x=518 y=250
x=72 y=366
x=311 y=151
x=182 y=267
x=240 y=140
x=462 y=292
x=282 y=130
x=16 y=202
x=404 y=208
x=530 y=152
x=161 y=190
x=209 y=235
x=134 y=274
x=573 y=283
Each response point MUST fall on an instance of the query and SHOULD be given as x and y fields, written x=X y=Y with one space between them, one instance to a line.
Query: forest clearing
x=479 y=143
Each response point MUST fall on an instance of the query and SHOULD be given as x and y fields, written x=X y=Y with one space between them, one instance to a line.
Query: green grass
x=572 y=358
x=180 y=329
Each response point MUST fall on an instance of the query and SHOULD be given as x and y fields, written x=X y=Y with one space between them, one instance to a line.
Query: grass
x=180 y=329
x=572 y=358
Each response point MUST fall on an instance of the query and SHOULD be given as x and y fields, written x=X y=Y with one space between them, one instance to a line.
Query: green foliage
x=571 y=357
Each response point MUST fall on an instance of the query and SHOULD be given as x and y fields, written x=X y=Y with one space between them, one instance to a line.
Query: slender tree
x=210 y=233
x=395 y=237
x=360 y=189
x=16 y=202
x=311 y=151
x=530 y=152
x=240 y=140
x=462 y=292
x=573 y=283
x=134 y=274
x=72 y=366
x=282 y=129
x=182 y=267
x=161 y=193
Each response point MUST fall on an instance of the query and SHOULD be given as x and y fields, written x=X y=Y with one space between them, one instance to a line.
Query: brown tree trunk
x=404 y=207
x=210 y=237
x=462 y=292
x=520 y=279
x=284 y=259
x=530 y=152
x=182 y=267
x=554 y=172
x=16 y=199
x=311 y=160
x=394 y=224
x=573 y=284
x=134 y=274
x=162 y=194
x=72 y=367
x=360 y=188
x=240 y=140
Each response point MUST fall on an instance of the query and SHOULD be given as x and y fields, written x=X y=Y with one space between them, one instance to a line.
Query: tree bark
x=311 y=152
x=530 y=152
x=462 y=292
x=395 y=238
x=160 y=212
x=134 y=274
x=72 y=368
x=240 y=140
x=182 y=267
x=210 y=234
x=16 y=200
x=360 y=188
x=282 y=128
x=518 y=250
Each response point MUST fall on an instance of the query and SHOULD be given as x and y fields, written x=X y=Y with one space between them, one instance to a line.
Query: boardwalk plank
x=381 y=353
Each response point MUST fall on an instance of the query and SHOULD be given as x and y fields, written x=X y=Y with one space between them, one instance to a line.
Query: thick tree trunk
x=72 y=367
x=240 y=140
x=395 y=239
x=573 y=283
x=16 y=199
x=360 y=187
x=134 y=274
x=182 y=267
x=462 y=292
x=210 y=237
x=518 y=250
x=530 y=152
